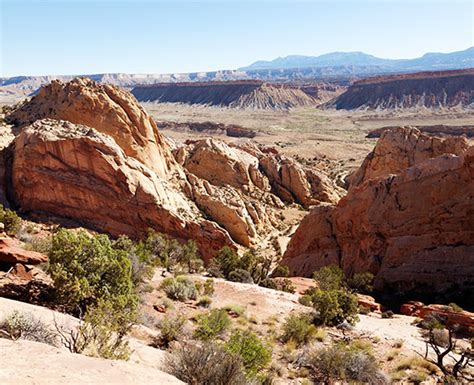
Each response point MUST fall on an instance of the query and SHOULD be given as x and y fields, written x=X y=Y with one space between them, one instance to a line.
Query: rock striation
x=106 y=108
x=75 y=171
x=89 y=152
x=413 y=229
x=423 y=89
x=249 y=94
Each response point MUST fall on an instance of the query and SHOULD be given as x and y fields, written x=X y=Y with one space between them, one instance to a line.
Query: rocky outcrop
x=413 y=230
x=11 y=253
x=424 y=89
x=293 y=182
x=75 y=171
x=231 y=130
x=235 y=94
x=454 y=317
x=432 y=130
x=261 y=173
x=106 y=108
x=242 y=216
x=402 y=147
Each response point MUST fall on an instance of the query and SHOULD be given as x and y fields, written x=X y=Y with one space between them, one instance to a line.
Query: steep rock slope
x=75 y=171
x=425 y=89
x=237 y=94
x=403 y=147
x=106 y=108
x=413 y=230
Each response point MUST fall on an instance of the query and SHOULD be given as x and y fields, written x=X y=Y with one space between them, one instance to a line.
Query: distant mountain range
x=428 y=62
x=341 y=67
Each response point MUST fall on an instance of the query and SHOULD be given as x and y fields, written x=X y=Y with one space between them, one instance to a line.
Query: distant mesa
x=232 y=130
x=235 y=94
x=425 y=89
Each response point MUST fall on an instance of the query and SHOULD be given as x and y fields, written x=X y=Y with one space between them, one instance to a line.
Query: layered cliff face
x=425 y=89
x=106 y=108
x=414 y=228
x=75 y=171
x=235 y=94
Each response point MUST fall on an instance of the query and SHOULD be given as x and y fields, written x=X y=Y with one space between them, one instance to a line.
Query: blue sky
x=83 y=37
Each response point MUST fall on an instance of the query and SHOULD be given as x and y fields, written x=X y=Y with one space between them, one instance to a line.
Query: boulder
x=75 y=171
x=413 y=231
x=106 y=108
x=461 y=318
x=402 y=147
x=11 y=253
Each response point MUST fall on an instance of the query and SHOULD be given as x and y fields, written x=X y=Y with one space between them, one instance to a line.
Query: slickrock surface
x=402 y=147
x=75 y=171
x=106 y=108
x=413 y=230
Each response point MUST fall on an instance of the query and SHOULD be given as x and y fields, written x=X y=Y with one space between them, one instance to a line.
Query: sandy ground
x=33 y=363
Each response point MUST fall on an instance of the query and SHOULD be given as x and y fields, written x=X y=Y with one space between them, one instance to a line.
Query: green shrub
x=344 y=362
x=362 y=282
x=330 y=278
x=433 y=321
x=281 y=284
x=281 y=271
x=207 y=364
x=179 y=288
x=455 y=307
x=226 y=261
x=25 y=326
x=212 y=325
x=87 y=270
x=299 y=328
x=11 y=221
x=204 y=301
x=208 y=287
x=170 y=329
x=172 y=254
x=101 y=333
x=254 y=354
x=305 y=300
x=240 y=275
x=269 y=283
x=335 y=306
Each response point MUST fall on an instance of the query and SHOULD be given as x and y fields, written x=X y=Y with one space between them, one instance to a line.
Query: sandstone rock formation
x=413 y=230
x=240 y=186
x=293 y=182
x=461 y=318
x=12 y=253
x=403 y=147
x=106 y=108
x=93 y=154
x=75 y=171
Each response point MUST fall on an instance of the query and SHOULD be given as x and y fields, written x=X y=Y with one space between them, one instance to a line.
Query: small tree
x=87 y=270
x=330 y=278
x=335 y=306
x=11 y=221
x=463 y=367
x=362 y=282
